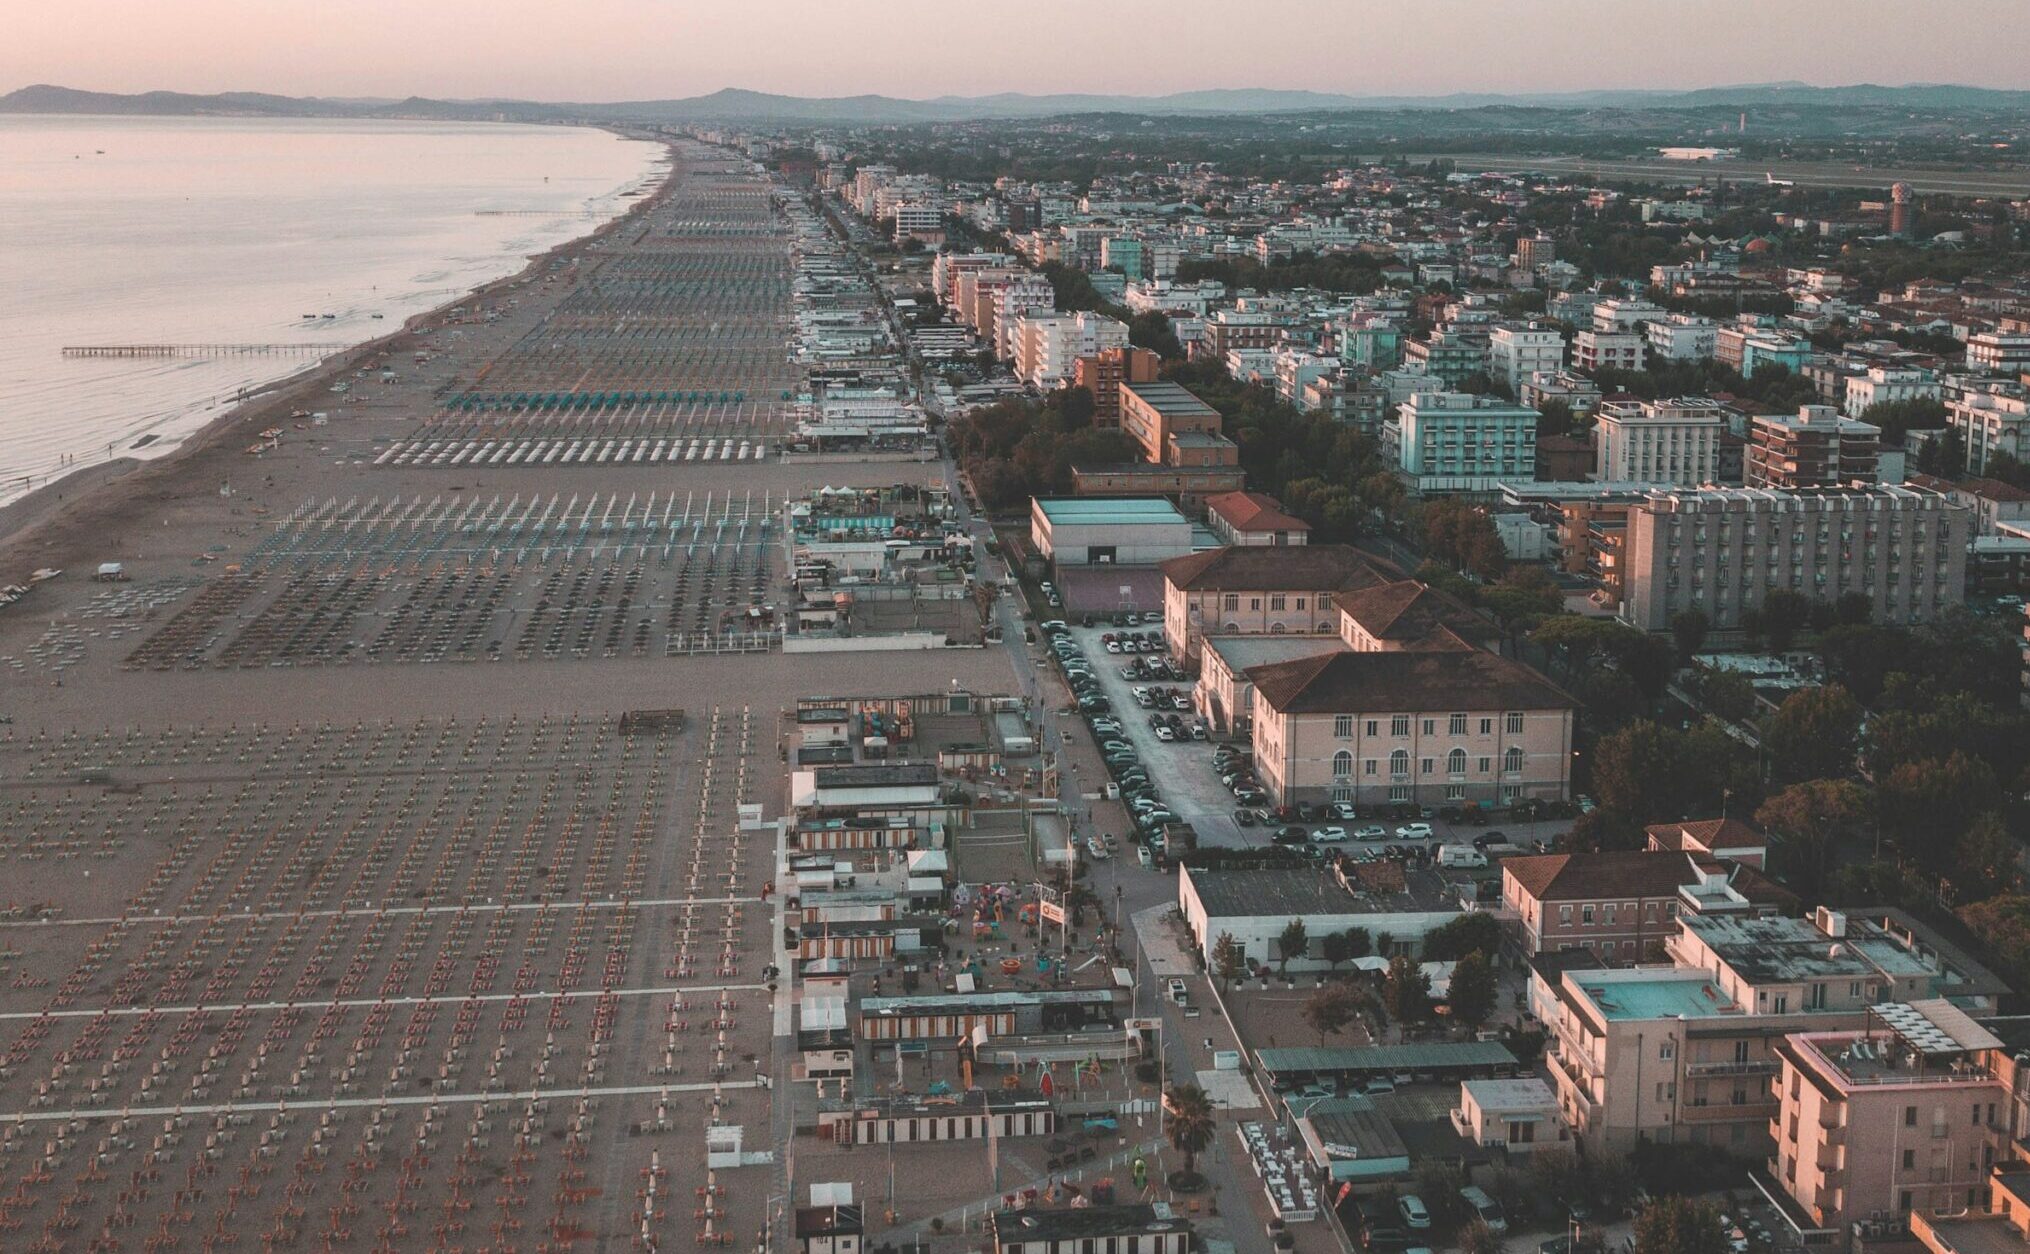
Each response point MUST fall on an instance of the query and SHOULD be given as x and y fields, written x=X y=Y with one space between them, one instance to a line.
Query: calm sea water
x=223 y=230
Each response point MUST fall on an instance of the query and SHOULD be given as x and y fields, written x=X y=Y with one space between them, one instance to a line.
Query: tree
x=1333 y=947
x=1328 y=1011
x=1407 y=994
x=1926 y=806
x=1228 y=961
x=1292 y=943
x=1808 y=818
x=1725 y=695
x=1646 y=772
x=1152 y=330
x=1984 y=861
x=1358 y=943
x=1783 y=612
x=1469 y=933
x=1815 y=734
x=1688 y=631
x=1190 y=1128
x=1677 y=1225
x=1473 y=991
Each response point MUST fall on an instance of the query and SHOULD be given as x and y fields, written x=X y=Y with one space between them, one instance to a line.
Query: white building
x=1089 y=531
x=1993 y=419
x=1885 y=384
x=1459 y=442
x=1516 y=353
x=1999 y=352
x=1255 y=906
x=1672 y=441
x=1048 y=345
x=1625 y=315
x=1607 y=350
x=1681 y=337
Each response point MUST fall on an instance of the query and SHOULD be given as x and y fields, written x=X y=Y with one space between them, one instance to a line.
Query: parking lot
x=1183 y=773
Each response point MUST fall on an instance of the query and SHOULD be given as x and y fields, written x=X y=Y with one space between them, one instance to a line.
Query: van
x=1178 y=993
x=1485 y=1208
x=1460 y=856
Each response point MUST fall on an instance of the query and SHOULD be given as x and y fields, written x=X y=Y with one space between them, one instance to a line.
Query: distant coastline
x=72 y=499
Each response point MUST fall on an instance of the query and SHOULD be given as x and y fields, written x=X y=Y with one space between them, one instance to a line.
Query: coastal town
x=1419 y=703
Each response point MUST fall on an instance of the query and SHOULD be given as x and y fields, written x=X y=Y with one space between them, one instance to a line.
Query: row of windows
x=1455 y=763
x=1399 y=725
x=1277 y=601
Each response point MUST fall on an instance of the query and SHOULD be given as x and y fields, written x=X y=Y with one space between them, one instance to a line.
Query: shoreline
x=93 y=499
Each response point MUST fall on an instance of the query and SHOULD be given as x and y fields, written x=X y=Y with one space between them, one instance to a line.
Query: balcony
x=1766 y=1066
x=1728 y=1112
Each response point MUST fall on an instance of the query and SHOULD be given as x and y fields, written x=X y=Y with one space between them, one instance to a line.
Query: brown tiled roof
x=1253 y=511
x=1348 y=683
x=1278 y=568
x=1709 y=833
x=1407 y=611
x=1623 y=874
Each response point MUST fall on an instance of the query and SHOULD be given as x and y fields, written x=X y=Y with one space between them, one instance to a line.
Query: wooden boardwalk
x=298 y=349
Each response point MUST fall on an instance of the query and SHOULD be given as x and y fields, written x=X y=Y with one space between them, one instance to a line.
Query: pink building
x=1880 y=1124
x=1621 y=904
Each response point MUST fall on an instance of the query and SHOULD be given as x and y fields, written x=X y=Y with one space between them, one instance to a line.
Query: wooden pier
x=204 y=350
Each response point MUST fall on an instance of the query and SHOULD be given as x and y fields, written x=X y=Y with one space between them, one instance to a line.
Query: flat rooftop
x=1096 y=511
x=1241 y=652
x=1307 y=890
x=1521 y=1093
x=1636 y=994
x=1170 y=399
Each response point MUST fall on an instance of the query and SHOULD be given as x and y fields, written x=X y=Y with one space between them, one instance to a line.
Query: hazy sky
x=637 y=49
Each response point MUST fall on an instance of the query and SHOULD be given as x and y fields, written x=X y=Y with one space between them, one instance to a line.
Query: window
x=1399 y=764
x=1399 y=725
x=1276 y=601
x=1512 y=760
x=1254 y=603
x=1565 y=916
x=1300 y=603
x=1230 y=601
x=1515 y=723
x=1367 y=767
x=1399 y=792
x=1457 y=725
x=1430 y=727
x=1455 y=762
x=1342 y=764
x=1586 y=915
x=1487 y=727
x=1342 y=727
x=1910 y=1116
x=1374 y=727
x=1455 y=792
x=1486 y=765
x=1667 y=1050
x=1425 y=766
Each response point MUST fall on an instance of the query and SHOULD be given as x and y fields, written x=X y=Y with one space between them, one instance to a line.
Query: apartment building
x=1747 y=349
x=1722 y=550
x=1999 y=352
x=1533 y=252
x=1895 y=1118
x=1048 y=345
x=1577 y=392
x=1991 y=418
x=1664 y=441
x=1448 y=727
x=1460 y=442
x=1814 y=448
x=1681 y=337
x=1229 y=329
x=1103 y=373
x=1516 y=354
x=1448 y=356
x=1607 y=350
x=1883 y=385
x=1251 y=590
x=1625 y=315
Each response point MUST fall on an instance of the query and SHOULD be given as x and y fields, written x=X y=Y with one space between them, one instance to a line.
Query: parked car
x=1416 y=1216
x=1373 y=831
x=1329 y=835
x=1414 y=831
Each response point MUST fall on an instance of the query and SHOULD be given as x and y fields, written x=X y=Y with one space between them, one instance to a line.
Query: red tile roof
x=1414 y=613
x=1253 y=511
x=1278 y=568
x=1627 y=874
x=1354 y=683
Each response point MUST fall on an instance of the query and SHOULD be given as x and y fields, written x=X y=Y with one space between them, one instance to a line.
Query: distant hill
x=737 y=105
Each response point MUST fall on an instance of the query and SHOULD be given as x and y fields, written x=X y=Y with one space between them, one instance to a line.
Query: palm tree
x=1190 y=1111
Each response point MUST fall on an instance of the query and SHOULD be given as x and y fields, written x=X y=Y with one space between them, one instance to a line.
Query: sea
x=229 y=231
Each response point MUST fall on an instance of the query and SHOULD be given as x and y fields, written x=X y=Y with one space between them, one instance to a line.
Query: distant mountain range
x=735 y=105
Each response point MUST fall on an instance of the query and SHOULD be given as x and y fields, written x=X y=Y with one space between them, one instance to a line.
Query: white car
x=1097 y=850
x=1329 y=835
x=1414 y=831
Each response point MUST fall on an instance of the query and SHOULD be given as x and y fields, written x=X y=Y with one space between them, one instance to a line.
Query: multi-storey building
x=1882 y=385
x=1248 y=590
x=1665 y=441
x=1533 y=252
x=1681 y=337
x=1607 y=350
x=1252 y=518
x=1103 y=374
x=1229 y=329
x=1893 y=1118
x=1157 y=415
x=1456 y=726
x=1448 y=356
x=1999 y=352
x=1624 y=905
x=1991 y=418
x=1516 y=354
x=1747 y=349
x=1459 y=442
x=1723 y=550
x=1048 y=345
x=1625 y=315
x=1578 y=393
x=1814 y=448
